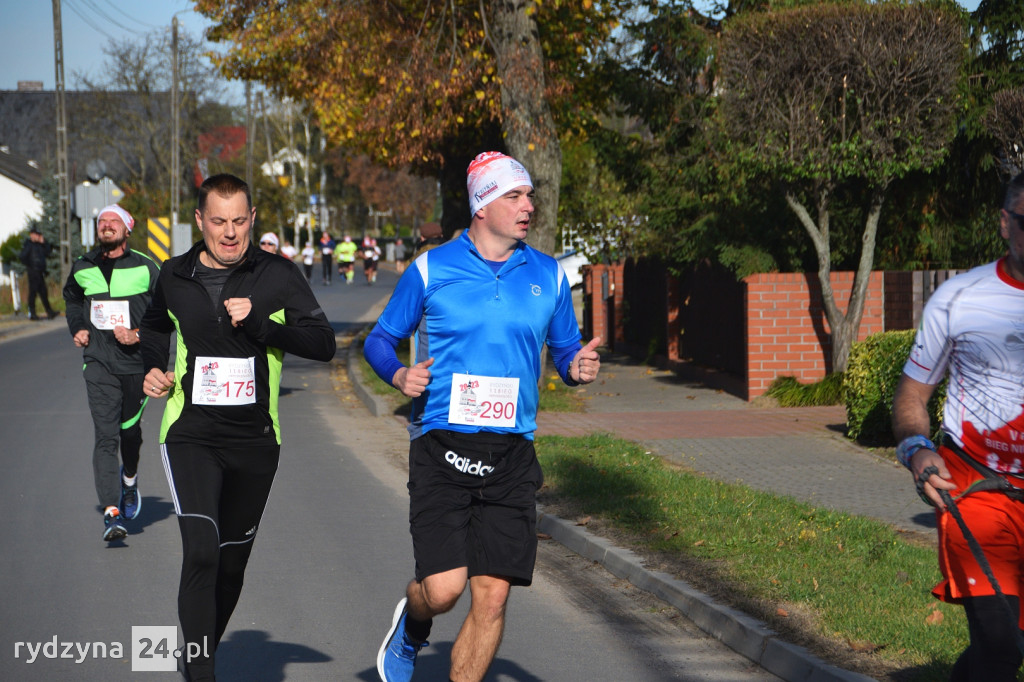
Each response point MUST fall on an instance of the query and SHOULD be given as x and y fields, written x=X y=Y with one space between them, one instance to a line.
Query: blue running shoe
x=112 y=526
x=397 y=656
x=131 y=503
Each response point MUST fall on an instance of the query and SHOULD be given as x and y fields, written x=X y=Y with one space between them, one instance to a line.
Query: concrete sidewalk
x=799 y=452
x=13 y=326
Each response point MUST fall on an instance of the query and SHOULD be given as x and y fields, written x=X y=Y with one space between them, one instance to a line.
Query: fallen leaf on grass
x=584 y=521
x=934 y=618
x=862 y=646
x=698 y=543
x=782 y=612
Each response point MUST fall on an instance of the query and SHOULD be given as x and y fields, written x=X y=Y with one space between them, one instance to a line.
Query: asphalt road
x=331 y=560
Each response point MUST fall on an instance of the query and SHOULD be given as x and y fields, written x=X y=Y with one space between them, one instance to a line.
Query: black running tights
x=219 y=496
x=994 y=654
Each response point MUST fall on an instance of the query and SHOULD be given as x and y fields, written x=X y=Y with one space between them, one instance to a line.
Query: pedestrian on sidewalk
x=33 y=256
x=236 y=310
x=481 y=307
x=970 y=331
x=106 y=295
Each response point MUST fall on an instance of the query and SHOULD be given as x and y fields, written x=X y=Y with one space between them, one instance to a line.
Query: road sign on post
x=90 y=199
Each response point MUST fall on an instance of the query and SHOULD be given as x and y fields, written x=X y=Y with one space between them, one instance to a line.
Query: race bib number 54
x=483 y=401
x=224 y=381
x=109 y=314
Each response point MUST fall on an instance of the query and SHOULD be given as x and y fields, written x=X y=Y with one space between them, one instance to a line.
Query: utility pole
x=291 y=182
x=270 y=156
x=249 y=130
x=63 y=193
x=176 y=132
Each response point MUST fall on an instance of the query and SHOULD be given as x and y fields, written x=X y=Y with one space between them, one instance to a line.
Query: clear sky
x=26 y=34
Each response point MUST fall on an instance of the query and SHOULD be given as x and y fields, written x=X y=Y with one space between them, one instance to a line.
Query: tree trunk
x=845 y=327
x=529 y=128
x=844 y=336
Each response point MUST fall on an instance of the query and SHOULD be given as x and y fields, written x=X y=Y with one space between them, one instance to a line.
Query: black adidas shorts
x=472 y=503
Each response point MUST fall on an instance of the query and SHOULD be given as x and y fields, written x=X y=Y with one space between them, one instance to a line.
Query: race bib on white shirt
x=224 y=381
x=109 y=314
x=483 y=401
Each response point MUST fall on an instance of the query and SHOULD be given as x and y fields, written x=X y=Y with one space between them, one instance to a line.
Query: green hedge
x=869 y=384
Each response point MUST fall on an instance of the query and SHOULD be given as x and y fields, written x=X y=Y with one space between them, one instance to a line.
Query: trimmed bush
x=873 y=371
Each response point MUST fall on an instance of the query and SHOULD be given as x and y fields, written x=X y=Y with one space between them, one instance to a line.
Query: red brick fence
x=738 y=335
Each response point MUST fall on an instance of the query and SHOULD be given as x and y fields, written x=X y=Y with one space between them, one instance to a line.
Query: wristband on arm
x=908 y=446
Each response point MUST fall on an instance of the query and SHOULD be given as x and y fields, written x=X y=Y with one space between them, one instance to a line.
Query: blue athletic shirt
x=473 y=320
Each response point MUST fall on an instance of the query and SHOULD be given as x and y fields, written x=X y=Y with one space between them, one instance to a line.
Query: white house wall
x=17 y=205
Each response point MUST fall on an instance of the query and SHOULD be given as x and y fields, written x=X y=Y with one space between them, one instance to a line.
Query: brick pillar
x=594 y=313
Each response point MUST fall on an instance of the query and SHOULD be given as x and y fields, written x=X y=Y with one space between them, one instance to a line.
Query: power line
x=106 y=17
x=130 y=17
x=87 y=19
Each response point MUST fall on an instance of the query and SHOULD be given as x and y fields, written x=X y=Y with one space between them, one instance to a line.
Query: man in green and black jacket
x=236 y=310
x=106 y=295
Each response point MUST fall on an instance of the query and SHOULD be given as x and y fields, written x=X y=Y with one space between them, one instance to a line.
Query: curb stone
x=742 y=633
x=377 y=405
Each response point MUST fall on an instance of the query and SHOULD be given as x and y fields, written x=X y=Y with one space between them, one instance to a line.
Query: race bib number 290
x=224 y=381
x=483 y=401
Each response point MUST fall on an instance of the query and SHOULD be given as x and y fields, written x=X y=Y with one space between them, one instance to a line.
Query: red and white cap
x=490 y=175
x=124 y=215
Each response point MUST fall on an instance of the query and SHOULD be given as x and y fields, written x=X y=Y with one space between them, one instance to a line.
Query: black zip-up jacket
x=285 y=318
x=33 y=255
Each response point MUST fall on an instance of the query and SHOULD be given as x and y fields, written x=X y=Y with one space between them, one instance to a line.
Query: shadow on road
x=253 y=655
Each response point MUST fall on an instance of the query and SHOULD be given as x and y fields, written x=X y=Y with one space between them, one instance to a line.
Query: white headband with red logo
x=490 y=175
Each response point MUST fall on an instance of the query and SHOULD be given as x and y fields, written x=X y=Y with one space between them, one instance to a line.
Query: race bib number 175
x=224 y=381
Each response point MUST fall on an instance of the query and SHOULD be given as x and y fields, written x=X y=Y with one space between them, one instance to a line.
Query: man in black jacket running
x=237 y=310
x=106 y=295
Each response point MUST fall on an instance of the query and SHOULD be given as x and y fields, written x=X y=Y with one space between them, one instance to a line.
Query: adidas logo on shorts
x=462 y=464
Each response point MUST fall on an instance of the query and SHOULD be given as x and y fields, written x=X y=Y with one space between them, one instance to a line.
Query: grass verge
x=851 y=589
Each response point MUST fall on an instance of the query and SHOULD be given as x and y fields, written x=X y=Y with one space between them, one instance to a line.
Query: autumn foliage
x=399 y=79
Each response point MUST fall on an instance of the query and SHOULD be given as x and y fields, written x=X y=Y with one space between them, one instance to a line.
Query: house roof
x=20 y=169
x=28 y=126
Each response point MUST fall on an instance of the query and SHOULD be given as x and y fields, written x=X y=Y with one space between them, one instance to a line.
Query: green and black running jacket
x=133 y=279
x=285 y=318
